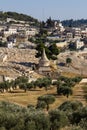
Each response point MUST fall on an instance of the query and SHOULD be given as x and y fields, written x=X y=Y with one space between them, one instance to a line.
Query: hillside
x=18 y=16
x=74 y=23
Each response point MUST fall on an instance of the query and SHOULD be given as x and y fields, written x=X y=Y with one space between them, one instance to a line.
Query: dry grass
x=79 y=94
x=30 y=97
x=22 y=98
x=70 y=74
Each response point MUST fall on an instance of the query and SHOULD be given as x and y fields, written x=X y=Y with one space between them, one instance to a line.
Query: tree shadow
x=61 y=64
x=27 y=64
x=37 y=90
x=17 y=92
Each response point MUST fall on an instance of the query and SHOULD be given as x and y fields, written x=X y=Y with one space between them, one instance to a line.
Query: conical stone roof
x=44 y=60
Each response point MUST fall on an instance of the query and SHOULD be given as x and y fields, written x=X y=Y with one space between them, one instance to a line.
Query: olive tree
x=48 y=99
x=68 y=61
x=64 y=90
x=58 y=119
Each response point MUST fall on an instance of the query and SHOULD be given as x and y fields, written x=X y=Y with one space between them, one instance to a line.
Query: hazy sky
x=42 y=9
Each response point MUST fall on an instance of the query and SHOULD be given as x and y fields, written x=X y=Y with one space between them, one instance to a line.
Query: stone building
x=44 y=65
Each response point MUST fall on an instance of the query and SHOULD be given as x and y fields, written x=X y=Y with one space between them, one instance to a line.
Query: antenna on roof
x=43 y=16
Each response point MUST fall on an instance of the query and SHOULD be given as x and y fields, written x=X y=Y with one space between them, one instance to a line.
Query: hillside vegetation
x=74 y=23
x=17 y=16
x=43 y=105
x=70 y=115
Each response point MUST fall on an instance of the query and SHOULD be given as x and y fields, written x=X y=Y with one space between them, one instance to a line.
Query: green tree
x=13 y=84
x=29 y=85
x=43 y=82
x=71 y=106
x=39 y=119
x=3 y=44
x=20 y=80
x=48 y=99
x=83 y=123
x=64 y=90
x=20 y=125
x=5 y=86
x=23 y=86
x=39 y=48
x=41 y=105
x=68 y=61
x=2 y=128
x=30 y=125
x=58 y=119
x=79 y=116
x=50 y=22
x=54 y=49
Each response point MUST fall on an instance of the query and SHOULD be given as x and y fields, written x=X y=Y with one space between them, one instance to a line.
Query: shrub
x=41 y=104
x=70 y=106
x=58 y=119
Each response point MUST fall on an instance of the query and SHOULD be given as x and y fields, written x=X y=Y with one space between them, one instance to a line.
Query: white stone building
x=10 y=31
x=79 y=44
x=31 y=32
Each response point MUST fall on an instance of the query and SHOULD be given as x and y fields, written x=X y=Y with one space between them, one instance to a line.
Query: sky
x=43 y=9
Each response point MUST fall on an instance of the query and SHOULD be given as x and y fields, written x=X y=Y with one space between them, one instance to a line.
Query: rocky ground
x=18 y=61
x=77 y=66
